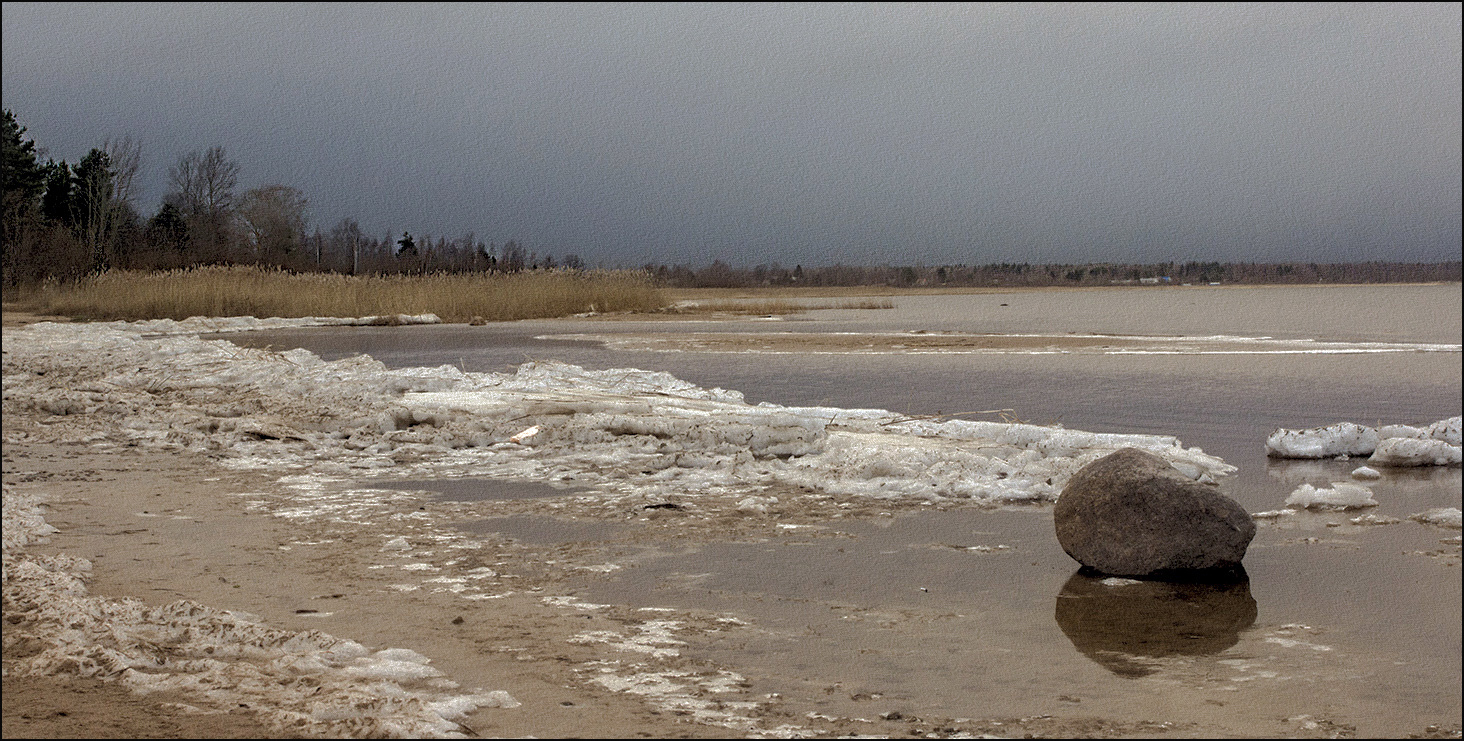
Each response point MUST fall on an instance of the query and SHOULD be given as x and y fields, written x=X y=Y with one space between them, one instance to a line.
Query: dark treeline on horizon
x=722 y=275
x=66 y=221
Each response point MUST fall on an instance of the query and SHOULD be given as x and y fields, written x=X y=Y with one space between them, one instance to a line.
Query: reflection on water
x=1119 y=623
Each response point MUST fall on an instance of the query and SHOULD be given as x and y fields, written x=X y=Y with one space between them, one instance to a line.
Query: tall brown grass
x=251 y=291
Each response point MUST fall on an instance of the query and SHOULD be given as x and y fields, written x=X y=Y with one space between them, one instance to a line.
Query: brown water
x=972 y=613
x=480 y=490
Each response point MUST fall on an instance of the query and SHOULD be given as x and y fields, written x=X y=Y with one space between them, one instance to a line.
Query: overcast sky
x=812 y=134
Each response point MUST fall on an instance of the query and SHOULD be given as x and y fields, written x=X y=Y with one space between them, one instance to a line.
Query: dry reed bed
x=249 y=291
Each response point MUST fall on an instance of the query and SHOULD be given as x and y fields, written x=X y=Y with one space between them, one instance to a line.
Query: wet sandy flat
x=917 y=342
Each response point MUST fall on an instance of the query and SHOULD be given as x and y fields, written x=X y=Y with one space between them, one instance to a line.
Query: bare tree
x=126 y=159
x=345 y=240
x=203 y=189
x=273 y=217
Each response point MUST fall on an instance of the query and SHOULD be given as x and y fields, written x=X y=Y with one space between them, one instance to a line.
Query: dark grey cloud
x=796 y=133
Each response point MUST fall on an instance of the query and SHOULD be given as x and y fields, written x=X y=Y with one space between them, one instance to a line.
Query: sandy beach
x=212 y=574
x=160 y=527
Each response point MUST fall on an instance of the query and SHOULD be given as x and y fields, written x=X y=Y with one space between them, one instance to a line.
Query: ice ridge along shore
x=630 y=436
x=635 y=432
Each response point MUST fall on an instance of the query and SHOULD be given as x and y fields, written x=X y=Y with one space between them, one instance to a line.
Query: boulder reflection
x=1124 y=623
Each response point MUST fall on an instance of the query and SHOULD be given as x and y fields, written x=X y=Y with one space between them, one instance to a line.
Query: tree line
x=65 y=221
x=722 y=275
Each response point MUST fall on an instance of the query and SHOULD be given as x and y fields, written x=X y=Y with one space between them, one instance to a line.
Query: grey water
x=937 y=608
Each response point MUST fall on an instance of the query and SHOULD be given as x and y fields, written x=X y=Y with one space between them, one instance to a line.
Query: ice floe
x=1342 y=495
x=1365 y=473
x=1437 y=444
x=1441 y=516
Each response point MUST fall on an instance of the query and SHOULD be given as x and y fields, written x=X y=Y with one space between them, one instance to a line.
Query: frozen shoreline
x=637 y=431
x=629 y=433
x=631 y=437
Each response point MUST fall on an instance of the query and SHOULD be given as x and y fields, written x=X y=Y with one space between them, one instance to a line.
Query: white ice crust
x=1437 y=444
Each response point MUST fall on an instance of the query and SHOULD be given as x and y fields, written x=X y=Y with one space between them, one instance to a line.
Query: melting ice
x=622 y=432
x=1437 y=444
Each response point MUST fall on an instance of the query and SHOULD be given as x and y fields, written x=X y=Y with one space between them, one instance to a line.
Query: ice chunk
x=1441 y=516
x=756 y=505
x=1437 y=444
x=1343 y=438
x=1447 y=430
x=1273 y=514
x=1372 y=519
x=1342 y=495
x=1366 y=474
x=1408 y=451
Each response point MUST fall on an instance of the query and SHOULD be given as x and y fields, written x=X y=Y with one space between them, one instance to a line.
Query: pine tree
x=56 y=203
x=408 y=247
x=22 y=180
x=21 y=175
x=167 y=229
x=93 y=185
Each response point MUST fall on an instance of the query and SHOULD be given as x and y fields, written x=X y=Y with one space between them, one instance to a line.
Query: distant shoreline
x=17 y=313
x=682 y=294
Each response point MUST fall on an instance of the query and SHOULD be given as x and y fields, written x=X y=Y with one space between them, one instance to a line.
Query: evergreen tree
x=22 y=177
x=56 y=203
x=167 y=229
x=408 y=248
x=93 y=187
x=23 y=254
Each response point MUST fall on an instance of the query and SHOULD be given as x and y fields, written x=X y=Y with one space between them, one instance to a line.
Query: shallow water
x=930 y=613
x=479 y=490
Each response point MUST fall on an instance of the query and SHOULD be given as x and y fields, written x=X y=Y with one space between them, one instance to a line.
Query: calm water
x=1015 y=627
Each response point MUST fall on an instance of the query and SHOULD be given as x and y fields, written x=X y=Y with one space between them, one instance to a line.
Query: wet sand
x=991 y=585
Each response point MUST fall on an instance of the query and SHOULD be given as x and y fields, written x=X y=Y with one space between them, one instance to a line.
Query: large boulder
x=1133 y=514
